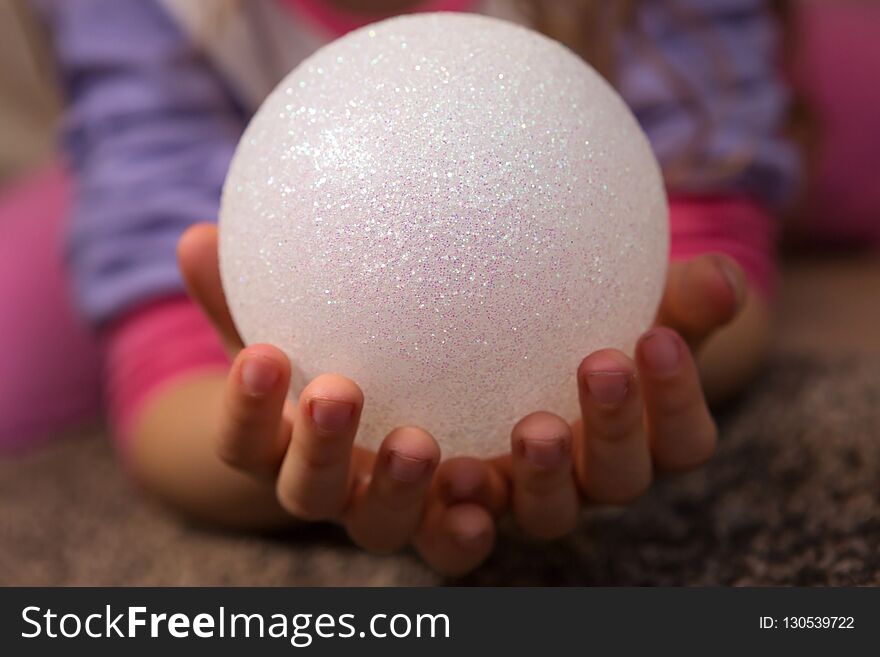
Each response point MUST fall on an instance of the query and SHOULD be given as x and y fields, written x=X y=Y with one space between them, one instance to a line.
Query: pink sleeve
x=151 y=347
x=336 y=22
x=738 y=227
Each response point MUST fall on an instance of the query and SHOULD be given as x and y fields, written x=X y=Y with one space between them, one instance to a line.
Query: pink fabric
x=838 y=73
x=49 y=370
x=337 y=22
x=151 y=347
x=737 y=227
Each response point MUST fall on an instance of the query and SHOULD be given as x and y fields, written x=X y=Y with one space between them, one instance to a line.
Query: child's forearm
x=172 y=455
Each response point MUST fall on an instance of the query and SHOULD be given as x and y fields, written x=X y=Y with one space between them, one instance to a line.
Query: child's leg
x=50 y=370
x=744 y=231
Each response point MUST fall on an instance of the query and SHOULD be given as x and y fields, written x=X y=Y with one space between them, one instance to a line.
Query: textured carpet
x=793 y=497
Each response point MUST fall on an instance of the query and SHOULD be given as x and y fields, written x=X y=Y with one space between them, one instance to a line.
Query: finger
x=545 y=496
x=613 y=461
x=702 y=295
x=454 y=540
x=198 y=261
x=468 y=480
x=314 y=481
x=458 y=529
x=681 y=430
x=386 y=515
x=253 y=436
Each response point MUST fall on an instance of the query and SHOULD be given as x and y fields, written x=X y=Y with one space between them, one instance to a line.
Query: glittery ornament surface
x=452 y=211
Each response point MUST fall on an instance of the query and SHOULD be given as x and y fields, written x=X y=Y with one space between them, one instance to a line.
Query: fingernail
x=470 y=537
x=259 y=375
x=608 y=388
x=406 y=468
x=461 y=489
x=330 y=415
x=734 y=280
x=544 y=454
x=661 y=352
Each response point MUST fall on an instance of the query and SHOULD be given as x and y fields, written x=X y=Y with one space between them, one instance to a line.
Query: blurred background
x=827 y=340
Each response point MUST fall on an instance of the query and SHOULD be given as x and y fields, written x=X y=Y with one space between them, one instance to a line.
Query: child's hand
x=638 y=417
x=305 y=451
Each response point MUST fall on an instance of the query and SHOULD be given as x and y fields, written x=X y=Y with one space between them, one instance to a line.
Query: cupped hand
x=640 y=416
x=386 y=500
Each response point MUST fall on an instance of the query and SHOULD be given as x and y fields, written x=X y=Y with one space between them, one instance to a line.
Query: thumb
x=702 y=295
x=199 y=264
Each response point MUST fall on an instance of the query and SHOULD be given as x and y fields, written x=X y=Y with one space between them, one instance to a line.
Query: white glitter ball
x=451 y=210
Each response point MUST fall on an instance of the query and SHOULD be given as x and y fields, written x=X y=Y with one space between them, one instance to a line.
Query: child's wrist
x=150 y=347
